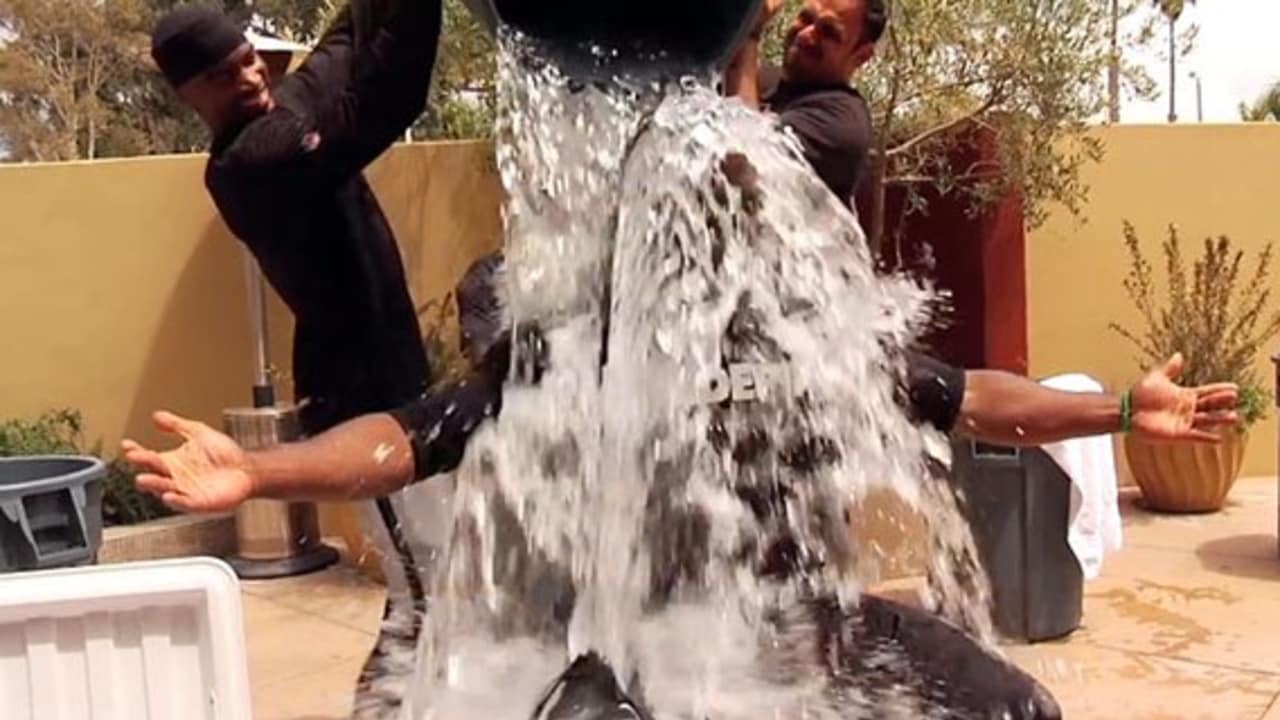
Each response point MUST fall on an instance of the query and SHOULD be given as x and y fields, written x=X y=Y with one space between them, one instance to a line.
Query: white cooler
x=156 y=640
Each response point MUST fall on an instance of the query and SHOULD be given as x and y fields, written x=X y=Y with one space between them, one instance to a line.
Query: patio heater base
x=317 y=558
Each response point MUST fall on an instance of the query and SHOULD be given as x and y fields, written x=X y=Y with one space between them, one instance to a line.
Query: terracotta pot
x=1186 y=477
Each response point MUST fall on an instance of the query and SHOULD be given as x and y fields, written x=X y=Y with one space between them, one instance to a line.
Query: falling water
x=719 y=389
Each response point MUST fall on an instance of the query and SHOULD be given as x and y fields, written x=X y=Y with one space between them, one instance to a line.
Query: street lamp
x=1199 y=97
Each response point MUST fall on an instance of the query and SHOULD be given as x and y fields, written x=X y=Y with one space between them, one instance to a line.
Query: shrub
x=1218 y=317
x=61 y=432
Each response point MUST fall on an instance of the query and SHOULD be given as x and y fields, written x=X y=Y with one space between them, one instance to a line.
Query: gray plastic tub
x=50 y=511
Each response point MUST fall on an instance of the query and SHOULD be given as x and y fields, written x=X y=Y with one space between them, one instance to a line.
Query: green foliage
x=1218 y=317
x=58 y=67
x=57 y=432
x=79 y=84
x=78 y=81
x=61 y=432
x=1033 y=74
x=464 y=88
x=1266 y=108
x=1172 y=9
x=1255 y=400
x=439 y=319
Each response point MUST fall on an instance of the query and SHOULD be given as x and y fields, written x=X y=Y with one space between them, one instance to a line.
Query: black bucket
x=692 y=35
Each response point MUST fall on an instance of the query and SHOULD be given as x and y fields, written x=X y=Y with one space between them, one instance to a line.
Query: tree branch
x=932 y=179
x=943 y=128
x=957 y=85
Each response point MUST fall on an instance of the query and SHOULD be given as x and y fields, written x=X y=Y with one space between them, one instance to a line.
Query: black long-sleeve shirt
x=289 y=184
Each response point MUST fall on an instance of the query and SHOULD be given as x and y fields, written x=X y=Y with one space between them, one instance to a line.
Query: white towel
x=1095 y=527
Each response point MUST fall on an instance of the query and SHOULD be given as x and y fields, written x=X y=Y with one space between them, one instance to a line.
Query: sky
x=1236 y=57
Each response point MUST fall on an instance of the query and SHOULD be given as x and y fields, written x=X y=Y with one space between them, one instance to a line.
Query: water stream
x=720 y=389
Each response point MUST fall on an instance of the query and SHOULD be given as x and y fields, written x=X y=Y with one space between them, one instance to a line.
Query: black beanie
x=192 y=39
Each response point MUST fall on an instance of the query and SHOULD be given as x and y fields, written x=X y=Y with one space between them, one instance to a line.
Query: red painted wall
x=979 y=260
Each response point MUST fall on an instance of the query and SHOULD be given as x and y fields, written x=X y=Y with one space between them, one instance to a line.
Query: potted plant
x=1218 y=317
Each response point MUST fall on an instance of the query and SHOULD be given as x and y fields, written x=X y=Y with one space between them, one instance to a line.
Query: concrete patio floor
x=1183 y=624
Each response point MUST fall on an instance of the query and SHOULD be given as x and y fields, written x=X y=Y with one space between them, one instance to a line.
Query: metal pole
x=273 y=539
x=1173 y=75
x=1199 y=98
x=263 y=390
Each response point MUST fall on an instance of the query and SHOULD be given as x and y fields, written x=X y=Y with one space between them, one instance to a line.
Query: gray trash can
x=1018 y=503
x=50 y=511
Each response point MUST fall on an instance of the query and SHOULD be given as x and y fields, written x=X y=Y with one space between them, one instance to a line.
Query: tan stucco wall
x=122 y=292
x=1207 y=179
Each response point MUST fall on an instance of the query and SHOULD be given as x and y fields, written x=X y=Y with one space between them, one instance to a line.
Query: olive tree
x=1032 y=75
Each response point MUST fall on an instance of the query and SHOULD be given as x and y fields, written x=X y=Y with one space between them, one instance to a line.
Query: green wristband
x=1126 y=411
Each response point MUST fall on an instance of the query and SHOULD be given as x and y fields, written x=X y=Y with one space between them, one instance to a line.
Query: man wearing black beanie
x=286 y=174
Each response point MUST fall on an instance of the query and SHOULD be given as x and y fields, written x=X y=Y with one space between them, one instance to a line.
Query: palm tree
x=1265 y=109
x=1172 y=10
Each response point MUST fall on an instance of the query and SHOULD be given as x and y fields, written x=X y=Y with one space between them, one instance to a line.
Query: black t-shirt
x=832 y=123
x=289 y=185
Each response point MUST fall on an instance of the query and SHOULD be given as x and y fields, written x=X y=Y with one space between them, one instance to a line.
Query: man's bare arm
x=368 y=457
x=1012 y=410
x=742 y=78
x=365 y=458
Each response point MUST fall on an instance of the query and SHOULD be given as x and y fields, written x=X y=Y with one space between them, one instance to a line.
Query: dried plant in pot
x=1217 y=314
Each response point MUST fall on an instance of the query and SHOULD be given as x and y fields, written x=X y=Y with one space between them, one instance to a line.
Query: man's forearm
x=1011 y=410
x=365 y=458
x=742 y=79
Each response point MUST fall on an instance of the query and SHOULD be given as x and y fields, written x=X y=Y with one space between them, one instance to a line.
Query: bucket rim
x=90 y=469
x=486 y=12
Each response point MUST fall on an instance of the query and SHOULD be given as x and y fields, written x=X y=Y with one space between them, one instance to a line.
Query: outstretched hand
x=1167 y=412
x=207 y=473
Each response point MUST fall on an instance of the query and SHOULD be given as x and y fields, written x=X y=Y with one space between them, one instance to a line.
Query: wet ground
x=1183 y=624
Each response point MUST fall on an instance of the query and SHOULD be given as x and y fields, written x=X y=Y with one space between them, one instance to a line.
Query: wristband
x=1126 y=411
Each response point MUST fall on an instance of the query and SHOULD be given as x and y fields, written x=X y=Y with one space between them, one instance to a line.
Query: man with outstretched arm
x=380 y=453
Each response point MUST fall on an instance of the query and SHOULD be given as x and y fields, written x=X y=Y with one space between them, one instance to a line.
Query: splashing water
x=720 y=388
